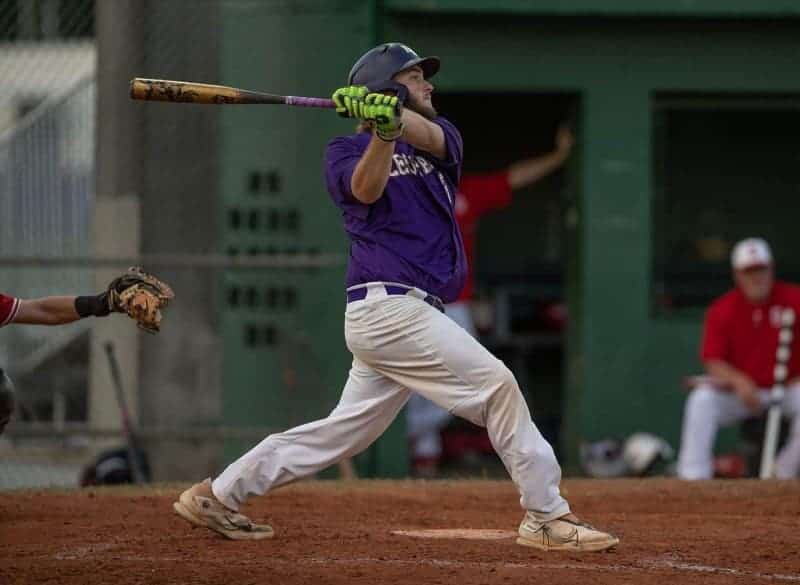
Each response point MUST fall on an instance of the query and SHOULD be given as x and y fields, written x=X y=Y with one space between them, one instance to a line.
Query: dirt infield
x=334 y=532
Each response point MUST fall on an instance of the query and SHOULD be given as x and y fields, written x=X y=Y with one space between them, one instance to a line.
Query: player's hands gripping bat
x=350 y=101
x=141 y=296
x=381 y=111
x=385 y=112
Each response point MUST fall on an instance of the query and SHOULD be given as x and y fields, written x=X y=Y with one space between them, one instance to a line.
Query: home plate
x=465 y=533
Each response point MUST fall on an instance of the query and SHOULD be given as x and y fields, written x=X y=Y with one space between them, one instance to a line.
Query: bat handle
x=309 y=102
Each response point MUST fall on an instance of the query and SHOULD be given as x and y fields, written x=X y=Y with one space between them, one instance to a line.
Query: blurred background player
x=740 y=339
x=478 y=194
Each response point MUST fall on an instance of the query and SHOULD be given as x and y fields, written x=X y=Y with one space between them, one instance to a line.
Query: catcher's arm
x=138 y=294
x=46 y=311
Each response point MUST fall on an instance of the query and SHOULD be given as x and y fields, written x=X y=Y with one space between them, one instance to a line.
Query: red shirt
x=8 y=309
x=745 y=335
x=477 y=195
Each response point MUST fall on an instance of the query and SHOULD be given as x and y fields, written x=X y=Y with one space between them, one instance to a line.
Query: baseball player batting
x=394 y=183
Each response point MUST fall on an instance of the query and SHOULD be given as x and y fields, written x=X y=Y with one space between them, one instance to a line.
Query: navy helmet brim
x=429 y=65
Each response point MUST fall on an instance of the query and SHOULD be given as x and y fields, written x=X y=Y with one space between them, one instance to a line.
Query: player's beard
x=422 y=108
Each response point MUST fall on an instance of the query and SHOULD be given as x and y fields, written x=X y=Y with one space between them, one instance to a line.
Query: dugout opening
x=520 y=301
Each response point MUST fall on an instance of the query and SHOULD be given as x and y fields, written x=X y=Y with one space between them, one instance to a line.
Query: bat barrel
x=162 y=90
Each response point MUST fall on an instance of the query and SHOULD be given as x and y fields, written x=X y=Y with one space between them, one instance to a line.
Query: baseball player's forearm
x=743 y=385
x=372 y=171
x=47 y=311
x=530 y=170
x=729 y=375
x=423 y=134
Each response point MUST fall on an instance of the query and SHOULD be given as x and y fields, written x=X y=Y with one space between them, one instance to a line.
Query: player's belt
x=359 y=293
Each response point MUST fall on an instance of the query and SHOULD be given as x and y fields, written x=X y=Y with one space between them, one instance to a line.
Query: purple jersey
x=410 y=234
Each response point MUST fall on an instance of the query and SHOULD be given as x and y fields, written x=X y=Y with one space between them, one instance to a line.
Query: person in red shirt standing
x=739 y=345
x=478 y=194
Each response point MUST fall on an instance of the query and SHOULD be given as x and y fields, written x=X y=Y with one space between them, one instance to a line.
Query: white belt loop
x=377 y=289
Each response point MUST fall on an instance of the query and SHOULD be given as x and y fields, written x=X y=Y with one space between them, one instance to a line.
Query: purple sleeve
x=455 y=150
x=341 y=158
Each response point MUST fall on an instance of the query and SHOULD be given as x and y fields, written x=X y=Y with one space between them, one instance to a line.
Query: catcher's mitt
x=141 y=296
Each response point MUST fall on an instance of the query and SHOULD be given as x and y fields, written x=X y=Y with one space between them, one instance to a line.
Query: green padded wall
x=624 y=365
x=624 y=362
x=285 y=358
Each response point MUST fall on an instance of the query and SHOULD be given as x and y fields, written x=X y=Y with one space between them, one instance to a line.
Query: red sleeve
x=8 y=309
x=486 y=192
x=715 y=338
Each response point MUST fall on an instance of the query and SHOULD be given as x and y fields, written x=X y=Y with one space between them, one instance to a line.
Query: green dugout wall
x=624 y=61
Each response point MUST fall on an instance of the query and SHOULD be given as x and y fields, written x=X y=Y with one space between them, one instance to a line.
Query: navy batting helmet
x=376 y=67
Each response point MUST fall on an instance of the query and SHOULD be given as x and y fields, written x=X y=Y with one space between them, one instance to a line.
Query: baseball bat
x=782 y=355
x=187 y=92
x=133 y=453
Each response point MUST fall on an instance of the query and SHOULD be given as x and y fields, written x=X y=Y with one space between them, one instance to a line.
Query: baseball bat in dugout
x=782 y=356
x=130 y=441
x=188 y=92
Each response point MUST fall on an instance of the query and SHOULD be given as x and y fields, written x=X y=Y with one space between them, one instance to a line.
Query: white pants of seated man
x=402 y=345
x=426 y=419
x=708 y=408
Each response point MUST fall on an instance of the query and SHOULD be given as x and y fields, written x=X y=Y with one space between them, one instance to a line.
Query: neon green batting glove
x=385 y=113
x=350 y=101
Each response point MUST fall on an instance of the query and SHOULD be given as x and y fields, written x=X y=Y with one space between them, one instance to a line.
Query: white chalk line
x=682 y=566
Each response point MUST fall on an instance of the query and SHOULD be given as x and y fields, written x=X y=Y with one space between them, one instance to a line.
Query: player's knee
x=503 y=387
x=503 y=379
x=793 y=401
x=537 y=451
x=701 y=399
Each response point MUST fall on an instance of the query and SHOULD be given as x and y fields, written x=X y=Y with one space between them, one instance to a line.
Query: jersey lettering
x=403 y=164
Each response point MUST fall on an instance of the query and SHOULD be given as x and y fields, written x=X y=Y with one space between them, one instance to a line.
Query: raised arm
x=372 y=171
x=528 y=171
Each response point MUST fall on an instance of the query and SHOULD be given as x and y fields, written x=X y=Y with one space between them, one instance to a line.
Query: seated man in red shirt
x=478 y=194
x=740 y=340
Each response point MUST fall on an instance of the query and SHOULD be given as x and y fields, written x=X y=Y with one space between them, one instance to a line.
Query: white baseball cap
x=751 y=252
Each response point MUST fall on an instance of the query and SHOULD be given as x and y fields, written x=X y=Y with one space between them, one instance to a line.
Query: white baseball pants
x=425 y=419
x=401 y=345
x=709 y=408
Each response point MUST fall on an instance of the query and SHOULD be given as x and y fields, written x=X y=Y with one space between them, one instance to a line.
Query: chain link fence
x=48 y=60
x=79 y=172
